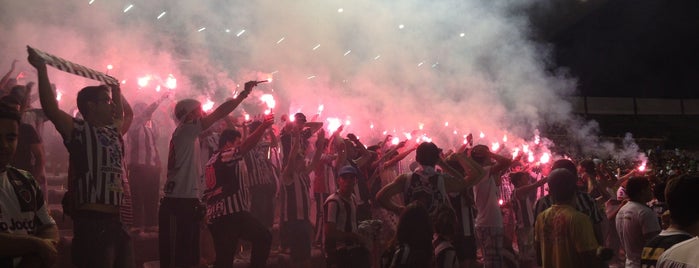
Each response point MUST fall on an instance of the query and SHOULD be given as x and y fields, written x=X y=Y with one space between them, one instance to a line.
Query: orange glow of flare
x=504 y=138
x=321 y=108
x=408 y=135
x=143 y=81
x=446 y=124
x=525 y=148
x=642 y=167
x=247 y=117
x=157 y=89
x=500 y=202
x=545 y=158
x=59 y=95
x=268 y=99
x=537 y=139
x=531 y=157
x=170 y=82
x=333 y=124
x=109 y=67
x=515 y=153
x=495 y=146
x=482 y=135
x=208 y=106
x=371 y=126
x=395 y=141
x=420 y=126
x=347 y=122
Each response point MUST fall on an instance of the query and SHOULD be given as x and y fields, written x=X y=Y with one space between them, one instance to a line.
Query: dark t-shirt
x=23 y=154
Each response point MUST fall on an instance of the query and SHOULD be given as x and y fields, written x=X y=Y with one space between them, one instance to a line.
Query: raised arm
x=146 y=114
x=254 y=137
x=399 y=157
x=501 y=163
x=6 y=78
x=474 y=172
x=320 y=143
x=60 y=119
x=383 y=197
x=122 y=110
x=365 y=157
x=314 y=126
x=228 y=106
x=526 y=190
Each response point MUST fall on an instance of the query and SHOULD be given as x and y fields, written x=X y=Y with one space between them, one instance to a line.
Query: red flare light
x=268 y=99
x=207 y=106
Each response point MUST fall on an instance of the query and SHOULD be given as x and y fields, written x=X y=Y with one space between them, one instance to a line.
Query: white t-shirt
x=682 y=255
x=632 y=222
x=184 y=169
x=486 y=199
x=12 y=219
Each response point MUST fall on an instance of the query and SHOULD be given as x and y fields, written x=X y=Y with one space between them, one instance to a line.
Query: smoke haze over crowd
x=457 y=67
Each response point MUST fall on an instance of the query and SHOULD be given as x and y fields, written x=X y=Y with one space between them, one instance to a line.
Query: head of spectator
x=95 y=105
x=21 y=93
x=11 y=101
x=565 y=163
x=481 y=154
x=9 y=132
x=562 y=186
x=229 y=138
x=586 y=166
x=519 y=179
x=347 y=179
x=427 y=154
x=188 y=110
x=299 y=120
x=638 y=189
x=681 y=198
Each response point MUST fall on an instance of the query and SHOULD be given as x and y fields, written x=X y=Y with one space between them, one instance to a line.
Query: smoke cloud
x=457 y=67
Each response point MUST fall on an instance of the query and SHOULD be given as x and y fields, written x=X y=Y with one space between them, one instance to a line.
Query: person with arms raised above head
x=96 y=175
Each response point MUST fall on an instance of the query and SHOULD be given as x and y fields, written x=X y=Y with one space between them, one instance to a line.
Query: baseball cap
x=347 y=170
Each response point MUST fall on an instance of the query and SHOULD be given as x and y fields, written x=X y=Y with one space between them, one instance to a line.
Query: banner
x=74 y=68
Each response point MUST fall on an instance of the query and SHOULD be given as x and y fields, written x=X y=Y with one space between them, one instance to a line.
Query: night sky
x=628 y=48
x=632 y=48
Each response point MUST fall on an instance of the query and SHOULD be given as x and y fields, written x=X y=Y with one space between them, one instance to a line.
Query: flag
x=74 y=68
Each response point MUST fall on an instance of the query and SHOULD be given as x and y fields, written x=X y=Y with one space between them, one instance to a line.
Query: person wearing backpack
x=426 y=185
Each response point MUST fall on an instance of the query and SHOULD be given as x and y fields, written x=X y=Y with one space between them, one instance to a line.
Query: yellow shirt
x=563 y=233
